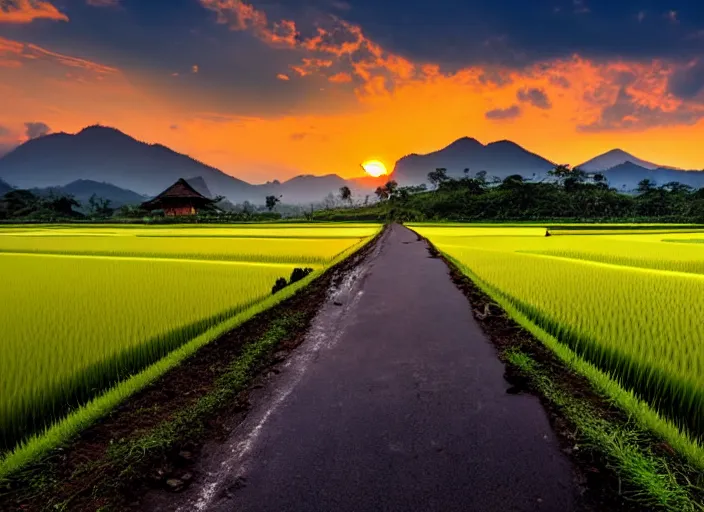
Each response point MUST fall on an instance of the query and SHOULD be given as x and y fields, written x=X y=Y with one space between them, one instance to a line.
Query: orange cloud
x=340 y=78
x=376 y=69
x=16 y=51
x=239 y=15
x=398 y=105
x=26 y=11
x=309 y=66
x=32 y=51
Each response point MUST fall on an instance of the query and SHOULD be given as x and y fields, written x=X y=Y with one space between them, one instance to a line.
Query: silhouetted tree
x=560 y=172
x=437 y=177
x=346 y=194
x=271 y=202
x=62 y=205
x=645 y=186
x=512 y=182
x=381 y=193
x=391 y=187
x=99 y=207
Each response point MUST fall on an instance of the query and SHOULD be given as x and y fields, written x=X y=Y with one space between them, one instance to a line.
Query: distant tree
x=512 y=182
x=438 y=176
x=329 y=201
x=576 y=177
x=570 y=179
x=62 y=205
x=99 y=207
x=346 y=194
x=247 y=208
x=381 y=193
x=676 y=187
x=391 y=187
x=560 y=172
x=131 y=211
x=20 y=202
x=599 y=180
x=271 y=202
x=599 y=177
x=645 y=186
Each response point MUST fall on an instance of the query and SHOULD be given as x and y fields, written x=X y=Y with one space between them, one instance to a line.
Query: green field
x=88 y=308
x=630 y=305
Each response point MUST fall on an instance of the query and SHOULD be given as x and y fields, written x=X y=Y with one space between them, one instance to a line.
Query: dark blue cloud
x=536 y=97
x=152 y=40
x=688 y=82
x=519 y=32
x=497 y=114
x=34 y=130
x=625 y=113
x=156 y=38
x=453 y=33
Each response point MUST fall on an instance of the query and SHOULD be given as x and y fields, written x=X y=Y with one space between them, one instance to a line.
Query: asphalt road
x=397 y=403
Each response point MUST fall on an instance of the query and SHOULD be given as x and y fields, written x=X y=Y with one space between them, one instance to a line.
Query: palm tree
x=382 y=193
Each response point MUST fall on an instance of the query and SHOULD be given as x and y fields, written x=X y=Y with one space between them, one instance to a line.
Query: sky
x=266 y=89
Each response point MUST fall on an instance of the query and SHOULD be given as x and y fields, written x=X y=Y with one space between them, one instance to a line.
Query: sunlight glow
x=374 y=168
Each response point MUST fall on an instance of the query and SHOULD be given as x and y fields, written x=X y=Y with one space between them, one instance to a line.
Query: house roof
x=179 y=190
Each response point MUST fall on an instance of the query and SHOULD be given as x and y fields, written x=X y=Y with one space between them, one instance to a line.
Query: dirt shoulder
x=153 y=439
x=622 y=466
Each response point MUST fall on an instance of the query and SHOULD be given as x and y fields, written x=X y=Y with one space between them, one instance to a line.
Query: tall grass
x=73 y=326
x=275 y=250
x=641 y=326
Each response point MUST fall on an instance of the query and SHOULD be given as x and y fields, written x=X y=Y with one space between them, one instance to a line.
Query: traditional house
x=179 y=199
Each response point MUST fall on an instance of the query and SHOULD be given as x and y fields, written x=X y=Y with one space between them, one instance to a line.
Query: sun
x=374 y=168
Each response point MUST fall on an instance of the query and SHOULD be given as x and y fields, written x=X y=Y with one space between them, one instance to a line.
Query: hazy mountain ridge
x=104 y=154
x=626 y=176
x=82 y=190
x=615 y=157
x=4 y=188
x=98 y=156
x=501 y=158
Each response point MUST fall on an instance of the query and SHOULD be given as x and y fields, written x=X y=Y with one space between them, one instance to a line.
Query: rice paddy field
x=628 y=303
x=86 y=309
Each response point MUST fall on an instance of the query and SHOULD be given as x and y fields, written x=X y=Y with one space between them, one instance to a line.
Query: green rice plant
x=80 y=324
x=274 y=250
x=656 y=256
x=76 y=325
x=205 y=230
x=641 y=326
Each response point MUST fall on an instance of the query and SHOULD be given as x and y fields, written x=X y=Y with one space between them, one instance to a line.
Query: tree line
x=567 y=193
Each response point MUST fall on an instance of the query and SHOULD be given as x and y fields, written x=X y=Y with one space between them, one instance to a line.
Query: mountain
x=82 y=190
x=501 y=159
x=201 y=186
x=103 y=154
x=626 y=176
x=4 y=188
x=613 y=158
x=304 y=186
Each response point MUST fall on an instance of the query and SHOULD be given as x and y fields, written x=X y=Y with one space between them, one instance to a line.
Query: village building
x=179 y=199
